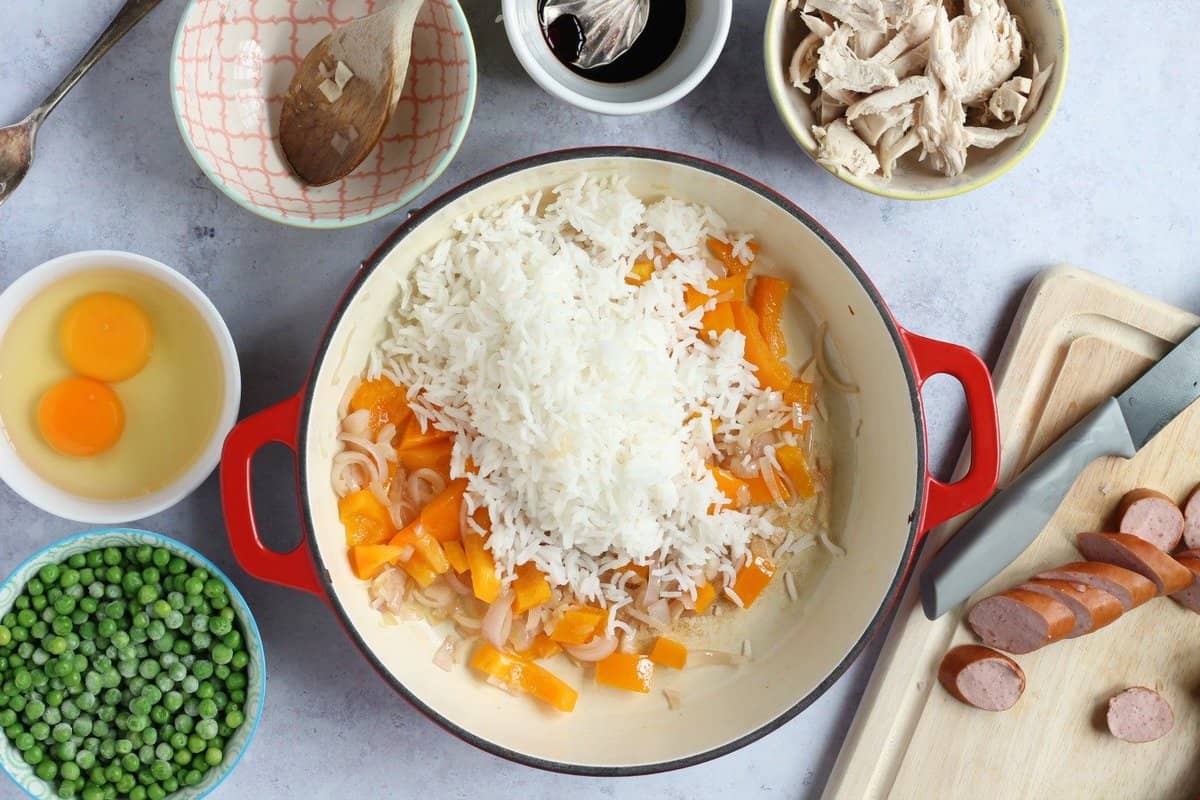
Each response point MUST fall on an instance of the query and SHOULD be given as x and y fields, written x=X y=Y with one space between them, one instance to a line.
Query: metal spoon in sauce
x=610 y=27
x=344 y=92
x=16 y=141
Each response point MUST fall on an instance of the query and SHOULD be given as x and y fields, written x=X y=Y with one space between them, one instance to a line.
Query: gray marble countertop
x=1105 y=189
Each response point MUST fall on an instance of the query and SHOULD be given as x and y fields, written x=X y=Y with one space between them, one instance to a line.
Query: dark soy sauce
x=664 y=29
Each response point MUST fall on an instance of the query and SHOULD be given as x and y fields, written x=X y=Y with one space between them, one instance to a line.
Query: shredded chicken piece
x=987 y=138
x=838 y=66
x=839 y=148
x=804 y=62
x=987 y=45
x=860 y=15
x=870 y=127
x=906 y=91
x=1007 y=103
x=892 y=147
x=1037 y=87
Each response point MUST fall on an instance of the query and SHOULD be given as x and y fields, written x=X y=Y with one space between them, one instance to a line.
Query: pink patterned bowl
x=231 y=65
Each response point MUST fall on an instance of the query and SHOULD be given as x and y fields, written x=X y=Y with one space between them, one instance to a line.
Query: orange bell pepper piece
x=717 y=320
x=706 y=595
x=760 y=495
x=386 y=401
x=771 y=372
x=541 y=647
x=455 y=555
x=734 y=284
x=368 y=560
x=441 y=517
x=640 y=272
x=434 y=456
x=799 y=393
x=416 y=537
x=752 y=579
x=694 y=298
x=723 y=252
x=366 y=520
x=628 y=671
x=796 y=467
x=419 y=570
x=728 y=484
x=530 y=588
x=579 y=625
x=767 y=301
x=484 y=581
x=669 y=653
x=519 y=674
x=413 y=437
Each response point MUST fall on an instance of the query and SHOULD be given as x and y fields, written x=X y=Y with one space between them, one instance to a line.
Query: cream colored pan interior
x=796 y=647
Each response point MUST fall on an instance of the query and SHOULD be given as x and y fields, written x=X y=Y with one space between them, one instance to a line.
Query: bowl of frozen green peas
x=130 y=667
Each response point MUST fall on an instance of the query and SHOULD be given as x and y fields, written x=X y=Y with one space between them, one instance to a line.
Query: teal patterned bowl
x=11 y=760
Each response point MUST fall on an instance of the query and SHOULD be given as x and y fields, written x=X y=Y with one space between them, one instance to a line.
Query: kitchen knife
x=1009 y=522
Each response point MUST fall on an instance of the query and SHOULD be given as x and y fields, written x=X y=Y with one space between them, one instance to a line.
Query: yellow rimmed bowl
x=1044 y=27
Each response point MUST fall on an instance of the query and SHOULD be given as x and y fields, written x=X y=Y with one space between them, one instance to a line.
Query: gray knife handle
x=1013 y=518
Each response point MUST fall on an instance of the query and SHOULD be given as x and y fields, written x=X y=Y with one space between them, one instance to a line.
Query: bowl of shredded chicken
x=916 y=99
x=611 y=461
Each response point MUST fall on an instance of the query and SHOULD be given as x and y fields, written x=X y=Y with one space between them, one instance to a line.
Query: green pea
x=47 y=770
x=56 y=645
x=112 y=556
x=138 y=723
x=161 y=769
x=85 y=759
x=40 y=731
x=205 y=691
x=160 y=609
x=177 y=566
x=143 y=554
x=213 y=756
x=148 y=593
x=61 y=732
x=34 y=755
x=181 y=647
x=114 y=611
x=68 y=577
x=220 y=626
x=202 y=669
x=70 y=771
x=82 y=726
x=206 y=729
x=184 y=722
x=178 y=741
x=26 y=617
x=35 y=587
x=5 y=636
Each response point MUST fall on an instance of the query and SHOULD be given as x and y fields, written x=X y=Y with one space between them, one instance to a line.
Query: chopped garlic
x=331 y=90
x=342 y=75
x=339 y=143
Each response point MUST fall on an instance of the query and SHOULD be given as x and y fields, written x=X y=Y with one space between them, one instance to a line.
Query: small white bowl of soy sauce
x=674 y=52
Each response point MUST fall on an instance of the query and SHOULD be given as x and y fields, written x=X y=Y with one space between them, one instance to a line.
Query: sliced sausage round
x=1093 y=608
x=1191 y=519
x=1152 y=516
x=1020 y=621
x=981 y=677
x=1126 y=585
x=1139 y=714
x=1189 y=598
x=1127 y=550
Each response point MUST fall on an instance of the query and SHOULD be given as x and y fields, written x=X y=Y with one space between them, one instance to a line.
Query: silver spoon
x=16 y=141
x=610 y=27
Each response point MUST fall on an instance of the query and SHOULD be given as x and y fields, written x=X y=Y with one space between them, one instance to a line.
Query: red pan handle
x=945 y=500
x=294 y=569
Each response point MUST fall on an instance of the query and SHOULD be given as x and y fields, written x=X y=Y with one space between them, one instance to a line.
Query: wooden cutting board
x=1077 y=339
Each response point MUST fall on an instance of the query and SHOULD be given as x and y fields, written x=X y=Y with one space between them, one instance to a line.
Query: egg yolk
x=106 y=336
x=80 y=417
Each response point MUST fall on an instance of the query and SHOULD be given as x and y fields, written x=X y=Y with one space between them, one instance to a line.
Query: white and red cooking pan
x=884 y=497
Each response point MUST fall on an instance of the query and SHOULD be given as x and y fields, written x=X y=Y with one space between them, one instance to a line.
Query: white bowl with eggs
x=175 y=411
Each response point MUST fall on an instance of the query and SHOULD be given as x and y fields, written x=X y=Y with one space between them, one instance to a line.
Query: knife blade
x=1010 y=521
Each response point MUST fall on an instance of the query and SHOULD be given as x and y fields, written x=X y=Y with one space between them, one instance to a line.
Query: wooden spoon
x=324 y=139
